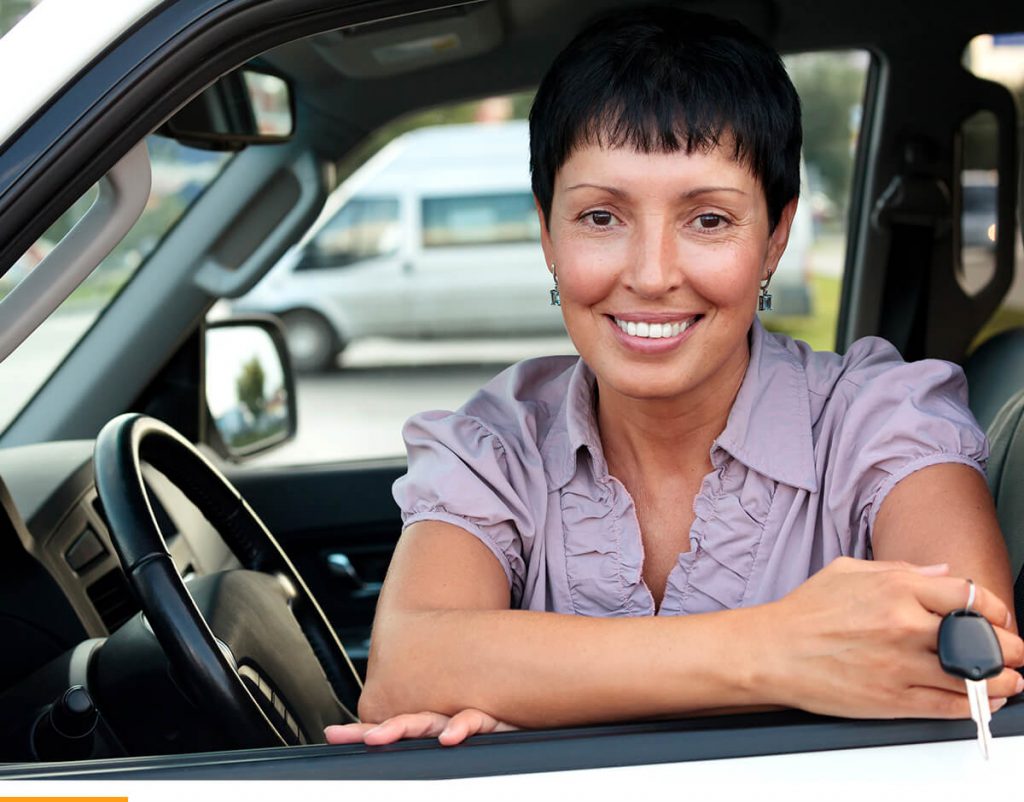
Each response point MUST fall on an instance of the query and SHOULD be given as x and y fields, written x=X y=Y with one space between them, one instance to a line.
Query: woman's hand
x=448 y=730
x=859 y=639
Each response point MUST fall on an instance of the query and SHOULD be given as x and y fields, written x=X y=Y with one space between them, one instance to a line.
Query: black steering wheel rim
x=123 y=445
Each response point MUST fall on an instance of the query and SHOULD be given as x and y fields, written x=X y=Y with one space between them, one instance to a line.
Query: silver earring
x=555 y=299
x=764 y=300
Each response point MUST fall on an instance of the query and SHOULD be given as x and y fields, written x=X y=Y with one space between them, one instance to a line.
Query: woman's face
x=664 y=244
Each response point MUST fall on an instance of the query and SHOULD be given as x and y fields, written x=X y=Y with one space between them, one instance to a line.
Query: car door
x=339 y=525
x=309 y=507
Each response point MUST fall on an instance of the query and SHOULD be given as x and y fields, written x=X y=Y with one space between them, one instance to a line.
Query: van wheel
x=312 y=342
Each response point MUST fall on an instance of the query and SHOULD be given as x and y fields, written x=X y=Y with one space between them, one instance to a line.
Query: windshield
x=180 y=175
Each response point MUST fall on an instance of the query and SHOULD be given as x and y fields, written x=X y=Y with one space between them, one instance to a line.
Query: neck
x=649 y=439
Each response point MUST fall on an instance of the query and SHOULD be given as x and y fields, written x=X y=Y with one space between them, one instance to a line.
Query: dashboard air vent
x=113 y=599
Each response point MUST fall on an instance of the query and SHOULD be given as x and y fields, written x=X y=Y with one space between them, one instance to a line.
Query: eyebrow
x=690 y=193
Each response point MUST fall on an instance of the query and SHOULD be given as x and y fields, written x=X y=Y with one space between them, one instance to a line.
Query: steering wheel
x=276 y=672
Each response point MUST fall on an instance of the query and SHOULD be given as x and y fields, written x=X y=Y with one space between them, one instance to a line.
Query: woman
x=681 y=519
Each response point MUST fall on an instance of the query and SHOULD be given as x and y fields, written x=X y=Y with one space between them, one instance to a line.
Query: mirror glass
x=246 y=389
x=271 y=104
x=245 y=107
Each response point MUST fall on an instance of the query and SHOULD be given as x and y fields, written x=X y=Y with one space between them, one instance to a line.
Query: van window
x=480 y=220
x=364 y=228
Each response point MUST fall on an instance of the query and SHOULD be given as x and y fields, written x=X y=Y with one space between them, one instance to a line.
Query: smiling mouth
x=655 y=331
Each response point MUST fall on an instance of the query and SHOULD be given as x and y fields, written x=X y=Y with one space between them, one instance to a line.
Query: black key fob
x=968 y=646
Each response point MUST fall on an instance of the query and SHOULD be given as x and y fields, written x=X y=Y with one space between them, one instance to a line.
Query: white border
x=51 y=45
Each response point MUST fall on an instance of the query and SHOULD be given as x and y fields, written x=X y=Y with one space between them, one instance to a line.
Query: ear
x=545 y=235
x=779 y=237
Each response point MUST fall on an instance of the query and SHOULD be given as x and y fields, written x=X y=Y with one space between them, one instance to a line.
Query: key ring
x=970 y=596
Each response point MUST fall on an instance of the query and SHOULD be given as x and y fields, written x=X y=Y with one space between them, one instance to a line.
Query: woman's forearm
x=535 y=669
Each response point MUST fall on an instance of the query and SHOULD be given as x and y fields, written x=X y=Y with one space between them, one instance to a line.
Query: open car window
x=381 y=299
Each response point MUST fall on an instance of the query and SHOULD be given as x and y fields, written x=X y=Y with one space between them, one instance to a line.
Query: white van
x=437 y=236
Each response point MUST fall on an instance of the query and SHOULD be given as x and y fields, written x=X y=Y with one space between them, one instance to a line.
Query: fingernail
x=1007 y=625
x=371 y=732
x=1020 y=685
x=930 y=570
x=997 y=703
x=447 y=731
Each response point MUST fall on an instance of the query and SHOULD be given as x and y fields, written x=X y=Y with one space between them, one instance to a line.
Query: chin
x=628 y=383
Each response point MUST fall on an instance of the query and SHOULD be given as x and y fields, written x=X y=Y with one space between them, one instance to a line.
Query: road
x=25 y=370
x=354 y=413
x=357 y=412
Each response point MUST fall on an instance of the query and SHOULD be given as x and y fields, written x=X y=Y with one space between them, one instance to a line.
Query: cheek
x=588 y=275
x=725 y=276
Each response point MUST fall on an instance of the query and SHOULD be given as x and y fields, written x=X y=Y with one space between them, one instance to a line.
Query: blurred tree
x=13 y=10
x=831 y=87
x=465 y=112
x=249 y=387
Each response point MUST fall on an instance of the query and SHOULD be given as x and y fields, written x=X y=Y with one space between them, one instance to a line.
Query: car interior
x=213 y=593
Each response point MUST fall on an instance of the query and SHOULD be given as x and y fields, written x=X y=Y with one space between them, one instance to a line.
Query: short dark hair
x=662 y=79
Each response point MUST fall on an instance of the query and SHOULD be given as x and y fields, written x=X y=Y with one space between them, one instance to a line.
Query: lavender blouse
x=813 y=444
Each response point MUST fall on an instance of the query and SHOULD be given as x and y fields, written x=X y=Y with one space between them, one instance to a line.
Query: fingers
x=935 y=703
x=943 y=595
x=347 y=733
x=1011 y=646
x=924 y=671
x=449 y=731
x=408 y=725
x=466 y=723
x=1008 y=683
x=851 y=564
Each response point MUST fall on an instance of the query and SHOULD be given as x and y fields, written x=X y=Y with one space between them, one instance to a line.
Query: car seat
x=1005 y=480
x=995 y=372
x=995 y=376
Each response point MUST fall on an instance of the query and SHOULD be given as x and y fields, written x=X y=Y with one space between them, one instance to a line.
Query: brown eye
x=601 y=218
x=710 y=220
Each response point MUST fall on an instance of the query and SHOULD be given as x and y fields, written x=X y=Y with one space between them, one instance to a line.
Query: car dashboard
x=62 y=589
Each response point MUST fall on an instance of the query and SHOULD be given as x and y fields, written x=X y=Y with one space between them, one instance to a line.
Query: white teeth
x=654 y=331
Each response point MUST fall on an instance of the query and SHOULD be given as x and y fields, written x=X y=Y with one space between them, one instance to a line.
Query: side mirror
x=244 y=107
x=249 y=386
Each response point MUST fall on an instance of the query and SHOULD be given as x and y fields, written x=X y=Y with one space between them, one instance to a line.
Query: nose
x=655 y=259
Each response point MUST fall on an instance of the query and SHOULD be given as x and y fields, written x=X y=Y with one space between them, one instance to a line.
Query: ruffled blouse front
x=813 y=444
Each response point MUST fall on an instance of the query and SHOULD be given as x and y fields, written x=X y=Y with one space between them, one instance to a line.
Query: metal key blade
x=977 y=695
x=968 y=648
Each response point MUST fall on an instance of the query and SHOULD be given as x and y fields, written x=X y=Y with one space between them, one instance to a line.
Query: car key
x=969 y=649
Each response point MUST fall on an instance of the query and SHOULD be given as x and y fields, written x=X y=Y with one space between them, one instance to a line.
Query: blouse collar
x=768 y=429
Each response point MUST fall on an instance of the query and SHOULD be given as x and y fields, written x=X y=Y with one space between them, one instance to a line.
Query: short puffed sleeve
x=461 y=472
x=887 y=419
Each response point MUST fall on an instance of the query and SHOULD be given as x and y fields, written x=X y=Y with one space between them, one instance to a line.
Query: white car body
x=416 y=289
x=940 y=770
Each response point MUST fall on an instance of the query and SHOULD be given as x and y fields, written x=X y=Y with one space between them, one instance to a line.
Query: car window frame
x=789 y=732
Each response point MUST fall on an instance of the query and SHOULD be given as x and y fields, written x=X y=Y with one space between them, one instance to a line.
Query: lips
x=655 y=329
